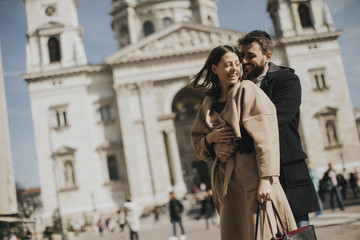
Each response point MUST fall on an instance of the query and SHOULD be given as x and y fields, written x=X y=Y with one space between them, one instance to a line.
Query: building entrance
x=185 y=105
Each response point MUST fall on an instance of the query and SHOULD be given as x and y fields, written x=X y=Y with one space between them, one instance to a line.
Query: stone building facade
x=122 y=128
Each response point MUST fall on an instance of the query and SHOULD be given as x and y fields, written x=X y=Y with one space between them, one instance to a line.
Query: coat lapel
x=265 y=84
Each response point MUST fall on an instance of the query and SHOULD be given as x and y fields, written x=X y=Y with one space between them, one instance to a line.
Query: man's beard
x=255 y=73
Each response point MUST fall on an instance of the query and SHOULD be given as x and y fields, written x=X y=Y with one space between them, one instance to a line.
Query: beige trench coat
x=235 y=183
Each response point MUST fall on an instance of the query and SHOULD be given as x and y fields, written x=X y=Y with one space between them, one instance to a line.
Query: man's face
x=253 y=60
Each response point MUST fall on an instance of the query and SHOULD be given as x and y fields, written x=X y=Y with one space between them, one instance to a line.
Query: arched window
x=54 y=49
x=167 y=22
x=124 y=31
x=148 y=28
x=124 y=36
x=210 y=20
x=186 y=104
x=304 y=14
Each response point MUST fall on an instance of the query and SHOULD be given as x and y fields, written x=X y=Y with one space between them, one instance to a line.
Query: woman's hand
x=264 y=190
x=220 y=134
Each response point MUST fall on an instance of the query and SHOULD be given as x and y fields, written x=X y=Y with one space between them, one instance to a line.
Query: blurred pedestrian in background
x=353 y=184
x=121 y=219
x=335 y=189
x=315 y=179
x=176 y=208
x=342 y=184
x=208 y=209
x=100 y=226
x=132 y=216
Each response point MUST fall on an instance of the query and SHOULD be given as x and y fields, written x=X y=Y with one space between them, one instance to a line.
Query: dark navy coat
x=283 y=87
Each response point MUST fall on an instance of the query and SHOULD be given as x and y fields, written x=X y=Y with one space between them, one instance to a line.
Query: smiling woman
x=238 y=115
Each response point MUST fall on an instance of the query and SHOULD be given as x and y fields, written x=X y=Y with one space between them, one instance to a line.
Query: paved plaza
x=344 y=225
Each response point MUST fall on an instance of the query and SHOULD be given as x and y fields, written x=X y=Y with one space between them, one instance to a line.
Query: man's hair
x=259 y=36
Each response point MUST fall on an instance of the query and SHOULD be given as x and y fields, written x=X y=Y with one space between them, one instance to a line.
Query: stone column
x=154 y=141
x=132 y=26
x=175 y=162
x=139 y=177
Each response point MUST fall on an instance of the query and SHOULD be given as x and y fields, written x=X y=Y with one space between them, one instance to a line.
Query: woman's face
x=228 y=70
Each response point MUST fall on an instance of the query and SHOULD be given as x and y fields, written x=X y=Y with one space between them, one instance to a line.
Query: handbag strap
x=278 y=217
x=259 y=217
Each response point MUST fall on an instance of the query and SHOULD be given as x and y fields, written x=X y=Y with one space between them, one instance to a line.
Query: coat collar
x=273 y=68
x=227 y=115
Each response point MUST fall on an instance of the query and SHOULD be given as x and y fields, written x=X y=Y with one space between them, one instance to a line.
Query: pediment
x=179 y=39
x=51 y=25
x=326 y=111
x=64 y=151
x=108 y=145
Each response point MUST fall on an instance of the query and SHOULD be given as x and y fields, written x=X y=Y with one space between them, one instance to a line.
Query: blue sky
x=99 y=41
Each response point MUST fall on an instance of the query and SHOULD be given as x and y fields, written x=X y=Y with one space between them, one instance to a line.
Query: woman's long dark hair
x=211 y=83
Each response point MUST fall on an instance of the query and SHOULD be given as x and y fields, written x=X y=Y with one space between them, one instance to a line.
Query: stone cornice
x=162 y=56
x=33 y=77
x=309 y=38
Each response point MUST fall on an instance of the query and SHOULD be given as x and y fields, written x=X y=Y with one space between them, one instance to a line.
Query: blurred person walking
x=121 y=219
x=132 y=216
x=176 y=208
x=208 y=209
x=335 y=188
x=353 y=184
x=315 y=179
x=100 y=227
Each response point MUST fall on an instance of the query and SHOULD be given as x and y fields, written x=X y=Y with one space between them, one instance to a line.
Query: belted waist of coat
x=229 y=167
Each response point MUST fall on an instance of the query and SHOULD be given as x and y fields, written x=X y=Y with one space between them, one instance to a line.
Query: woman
x=240 y=114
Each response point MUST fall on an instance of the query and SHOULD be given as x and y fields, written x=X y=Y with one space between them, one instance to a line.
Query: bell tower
x=308 y=42
x=54 y=35
x=293 y=18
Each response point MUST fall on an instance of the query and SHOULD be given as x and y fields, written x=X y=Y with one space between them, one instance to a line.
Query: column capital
x=125 y=88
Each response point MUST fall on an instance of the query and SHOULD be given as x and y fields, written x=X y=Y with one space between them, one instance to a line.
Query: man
x=176 y=208
x=283 y=88
x=335 y=188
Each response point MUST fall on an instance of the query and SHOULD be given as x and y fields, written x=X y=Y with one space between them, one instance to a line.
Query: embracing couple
x=247 y=126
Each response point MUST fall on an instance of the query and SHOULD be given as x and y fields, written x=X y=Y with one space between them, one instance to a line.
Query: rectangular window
x=105 y=113
x=318 y=77
x=113 y=168
x=59 y=116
